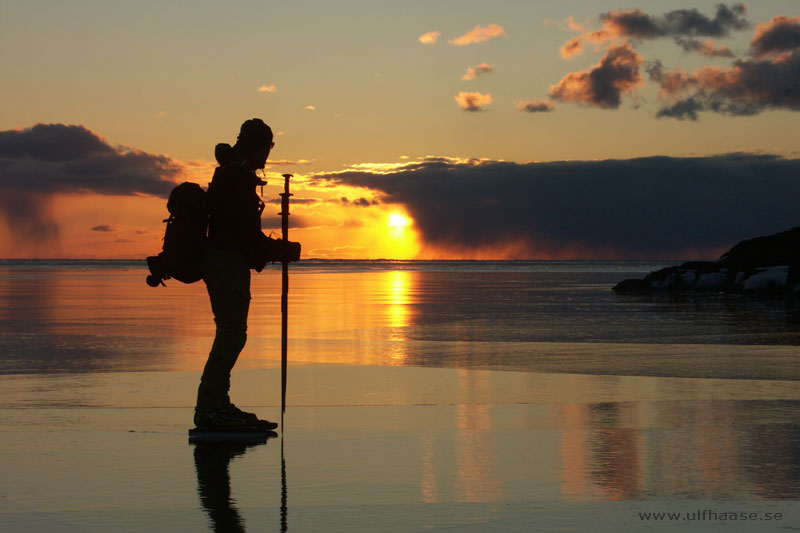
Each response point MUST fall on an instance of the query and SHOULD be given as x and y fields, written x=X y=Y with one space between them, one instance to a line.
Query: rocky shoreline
x=768 y=265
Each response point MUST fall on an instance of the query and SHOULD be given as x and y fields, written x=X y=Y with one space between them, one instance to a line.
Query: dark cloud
x=781 y=34
x=705 y=48
x=654 y=69
x=54 y=158
x=304 y=201
x=647 y=207
x=691 y=22
x=359 y=202
x=103 y=228
x=770 y=79
x=687 y=108
x=535 y=106
x=748 y=87
x=52 y=142
x=637 y=24
x=603 y=84
x=299 y=221
x=670 y=83
x=632 y=23
x=683 y=25
x=48 y=159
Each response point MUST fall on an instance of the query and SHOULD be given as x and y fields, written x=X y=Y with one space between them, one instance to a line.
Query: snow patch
x=688 y=278
x=772 y=278
x=712 y=281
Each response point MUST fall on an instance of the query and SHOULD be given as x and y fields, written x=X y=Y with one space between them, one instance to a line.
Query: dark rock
x=750 y=266
x=771 y=250
x=701 y=267
x=660 y=275
x=632 y=285
x=794 y=268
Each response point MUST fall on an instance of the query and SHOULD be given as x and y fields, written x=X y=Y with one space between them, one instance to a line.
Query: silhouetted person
x=235 y=245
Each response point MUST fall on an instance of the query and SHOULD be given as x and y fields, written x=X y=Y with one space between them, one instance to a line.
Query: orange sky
x=373 y=86
x=329 y=228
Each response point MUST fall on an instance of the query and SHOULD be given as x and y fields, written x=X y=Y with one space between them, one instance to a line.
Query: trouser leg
x=227 y=280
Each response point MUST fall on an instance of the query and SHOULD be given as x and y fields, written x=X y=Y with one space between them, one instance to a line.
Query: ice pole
x=284 y=290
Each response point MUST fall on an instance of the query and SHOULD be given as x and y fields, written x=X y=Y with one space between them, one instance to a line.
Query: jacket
x=234 y=208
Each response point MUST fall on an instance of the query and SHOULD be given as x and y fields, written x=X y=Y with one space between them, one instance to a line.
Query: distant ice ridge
x=770 y=278
x=764 y=265
x=764 y=279
x=711 y=281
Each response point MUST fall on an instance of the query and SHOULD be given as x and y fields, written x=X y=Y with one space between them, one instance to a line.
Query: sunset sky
x=446 y=129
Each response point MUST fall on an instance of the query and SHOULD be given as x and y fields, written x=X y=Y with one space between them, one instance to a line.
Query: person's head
x=254 y=142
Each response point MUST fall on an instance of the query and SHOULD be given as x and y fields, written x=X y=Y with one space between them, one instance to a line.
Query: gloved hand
x=290 y=251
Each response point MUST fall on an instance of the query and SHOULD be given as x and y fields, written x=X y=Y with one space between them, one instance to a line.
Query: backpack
x=181 y=257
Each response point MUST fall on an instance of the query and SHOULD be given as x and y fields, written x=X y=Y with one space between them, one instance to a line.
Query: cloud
x=55 y=158
x=747 y=88
x=48 y=159
x=473 y=101
x=632 y=23
x=652 y=207
x=781 y=34
x=103 y=228
x=267 y=89
x=574 y=46
x=769 y=79
x=337 y=252
x=568 y=24
x=474 y=72
x=310 y=107
x=300 y=221
x=360 y=202
x=478 y=34
x=534 y=106
x=705 y=48
x=429 y=38
x=678 y=24
x=159 y=115
x=637 y=24
x=670 y=83
x=287 y=162
x=304 y=201
x=603 y=84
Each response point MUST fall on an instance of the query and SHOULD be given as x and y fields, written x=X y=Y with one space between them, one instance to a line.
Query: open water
x=97 y=316
x=490 y=396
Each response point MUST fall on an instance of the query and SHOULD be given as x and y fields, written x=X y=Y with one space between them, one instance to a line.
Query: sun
x=398 y=221
x=394 y=236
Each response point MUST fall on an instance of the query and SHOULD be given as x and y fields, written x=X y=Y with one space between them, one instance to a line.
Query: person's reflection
x=211 y=460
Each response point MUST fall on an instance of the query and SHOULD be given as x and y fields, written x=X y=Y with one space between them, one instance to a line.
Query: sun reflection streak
x=398 y=285
x=573 y=451
x=429 y=486
x=602 y=459
x=476 y=481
